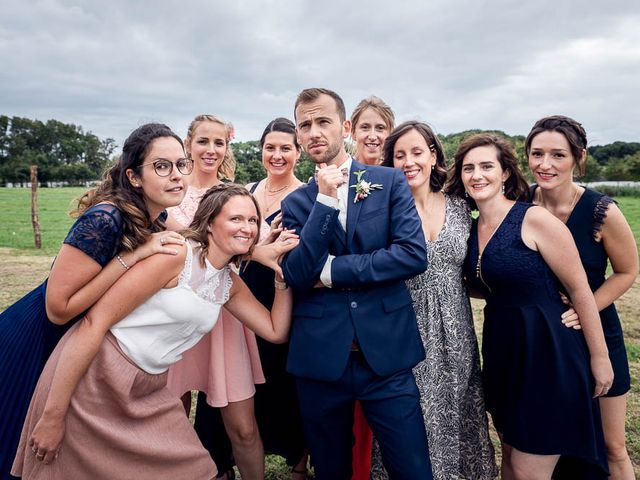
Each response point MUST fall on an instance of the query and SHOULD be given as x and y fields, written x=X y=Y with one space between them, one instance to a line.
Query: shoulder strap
x=185 y=275
x=254 y=186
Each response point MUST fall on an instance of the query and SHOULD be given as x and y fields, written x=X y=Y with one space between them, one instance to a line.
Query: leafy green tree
x=604 y=154
x=592 y=170
x=248 y=162
x=633 y=166
x=616 y=170
x=50 y=146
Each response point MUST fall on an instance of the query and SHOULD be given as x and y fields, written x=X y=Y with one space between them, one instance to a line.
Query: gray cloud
x=456 y=64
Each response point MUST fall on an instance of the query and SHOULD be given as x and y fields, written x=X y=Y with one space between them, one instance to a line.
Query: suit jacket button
x=354 y=304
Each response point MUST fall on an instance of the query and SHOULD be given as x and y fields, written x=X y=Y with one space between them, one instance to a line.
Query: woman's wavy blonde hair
x=227 y=169
x=211 y=204
x=115 y=187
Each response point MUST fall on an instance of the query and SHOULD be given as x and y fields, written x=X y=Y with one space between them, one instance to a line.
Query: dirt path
x=19 y=274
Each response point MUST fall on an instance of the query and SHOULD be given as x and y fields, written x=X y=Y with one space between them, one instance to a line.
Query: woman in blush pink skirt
x=101 y=409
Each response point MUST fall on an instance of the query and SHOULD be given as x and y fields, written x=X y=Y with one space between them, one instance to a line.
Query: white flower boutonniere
x=363 y=188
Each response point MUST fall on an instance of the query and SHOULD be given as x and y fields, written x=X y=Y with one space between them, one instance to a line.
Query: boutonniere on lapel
x=363 y=188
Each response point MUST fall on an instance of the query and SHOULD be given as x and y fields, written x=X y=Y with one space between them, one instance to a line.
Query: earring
x=466 y=194
x=502 y=189
x=433 y=166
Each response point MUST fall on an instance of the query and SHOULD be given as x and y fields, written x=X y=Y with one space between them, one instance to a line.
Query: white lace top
x=157 y=333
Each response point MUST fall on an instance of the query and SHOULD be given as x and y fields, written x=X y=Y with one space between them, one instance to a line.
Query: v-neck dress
x=449 y=378
x=536 y=373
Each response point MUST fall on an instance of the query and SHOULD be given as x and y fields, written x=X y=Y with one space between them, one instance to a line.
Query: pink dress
x=225 y=364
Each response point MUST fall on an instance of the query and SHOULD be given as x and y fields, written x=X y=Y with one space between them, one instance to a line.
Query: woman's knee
x=244 y=432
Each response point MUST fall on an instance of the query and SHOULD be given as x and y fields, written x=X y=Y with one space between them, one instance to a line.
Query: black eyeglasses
x=163 y=168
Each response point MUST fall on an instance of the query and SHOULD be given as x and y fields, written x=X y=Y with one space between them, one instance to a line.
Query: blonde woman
x=371 y=123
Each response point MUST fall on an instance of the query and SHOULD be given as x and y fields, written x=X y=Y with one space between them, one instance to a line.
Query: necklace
x=566 y=216
x=269 y=191
x=279 y=193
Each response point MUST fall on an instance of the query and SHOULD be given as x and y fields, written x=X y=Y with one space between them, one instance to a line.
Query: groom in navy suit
x=354 y=334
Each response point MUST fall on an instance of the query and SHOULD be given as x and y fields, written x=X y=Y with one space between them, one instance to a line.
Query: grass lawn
x=22 y=267
x=15 y=218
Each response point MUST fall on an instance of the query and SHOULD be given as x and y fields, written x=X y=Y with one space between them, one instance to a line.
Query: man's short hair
x=309 y=95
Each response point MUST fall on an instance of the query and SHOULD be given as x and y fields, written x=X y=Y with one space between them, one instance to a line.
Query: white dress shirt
x=341 y=203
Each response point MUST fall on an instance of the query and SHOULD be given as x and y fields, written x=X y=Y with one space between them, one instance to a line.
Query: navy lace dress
x=536 y=372
x=585 y=223
x=27 y=337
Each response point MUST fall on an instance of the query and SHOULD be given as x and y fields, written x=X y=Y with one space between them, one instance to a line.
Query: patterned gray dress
x=449 y=378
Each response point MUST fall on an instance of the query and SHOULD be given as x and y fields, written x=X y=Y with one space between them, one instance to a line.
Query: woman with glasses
x=101 y=409
x=225 y=365
x=120 y=223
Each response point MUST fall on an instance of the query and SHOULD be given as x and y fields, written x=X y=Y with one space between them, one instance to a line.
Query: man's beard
x=330 y=154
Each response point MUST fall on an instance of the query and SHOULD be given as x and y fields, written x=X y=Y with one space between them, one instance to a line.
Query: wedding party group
x=190 y=325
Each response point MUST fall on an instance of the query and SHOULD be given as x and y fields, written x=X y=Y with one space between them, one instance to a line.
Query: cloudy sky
x=457 y=64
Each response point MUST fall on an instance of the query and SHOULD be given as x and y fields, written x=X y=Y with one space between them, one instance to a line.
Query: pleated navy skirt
x=27 y=338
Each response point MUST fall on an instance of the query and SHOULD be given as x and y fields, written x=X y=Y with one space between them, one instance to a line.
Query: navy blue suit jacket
x=368 y=302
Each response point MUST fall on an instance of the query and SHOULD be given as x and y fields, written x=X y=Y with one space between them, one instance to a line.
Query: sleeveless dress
x=27 y=337
x=276 y=401
x=449 y=377
x=225 y=364
x=122 y=421
x=536 y=372
x=584 y=223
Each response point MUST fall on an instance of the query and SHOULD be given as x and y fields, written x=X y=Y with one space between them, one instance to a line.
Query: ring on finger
x=34 y=450
x=161 y=241
x=40 y=456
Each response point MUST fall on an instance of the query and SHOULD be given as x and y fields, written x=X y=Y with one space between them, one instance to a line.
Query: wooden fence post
x=34 y=206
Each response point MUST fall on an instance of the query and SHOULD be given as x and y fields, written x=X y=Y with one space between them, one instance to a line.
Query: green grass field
x=15 y=218
x=22 y=267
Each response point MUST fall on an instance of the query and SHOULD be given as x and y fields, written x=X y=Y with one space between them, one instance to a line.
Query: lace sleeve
x=97 y=233
x=600 y=214
x=226 y=284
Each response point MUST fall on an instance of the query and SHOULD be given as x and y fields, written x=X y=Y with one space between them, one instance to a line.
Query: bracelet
x=122 y=262
x=280 y=285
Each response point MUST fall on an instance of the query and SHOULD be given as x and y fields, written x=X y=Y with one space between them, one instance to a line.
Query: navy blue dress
x=584 y=223
x=536 y=372
x=276 y=401
x=27 y=337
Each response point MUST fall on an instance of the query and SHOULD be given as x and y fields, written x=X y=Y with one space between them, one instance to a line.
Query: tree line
x=66 y=153
x=63 y=152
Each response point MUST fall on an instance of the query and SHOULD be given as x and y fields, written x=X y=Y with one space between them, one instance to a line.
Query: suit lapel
x=353 y=209
x=312 y=190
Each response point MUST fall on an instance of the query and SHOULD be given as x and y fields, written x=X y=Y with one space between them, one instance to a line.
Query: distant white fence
x=88 y=183
x=609 y=183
